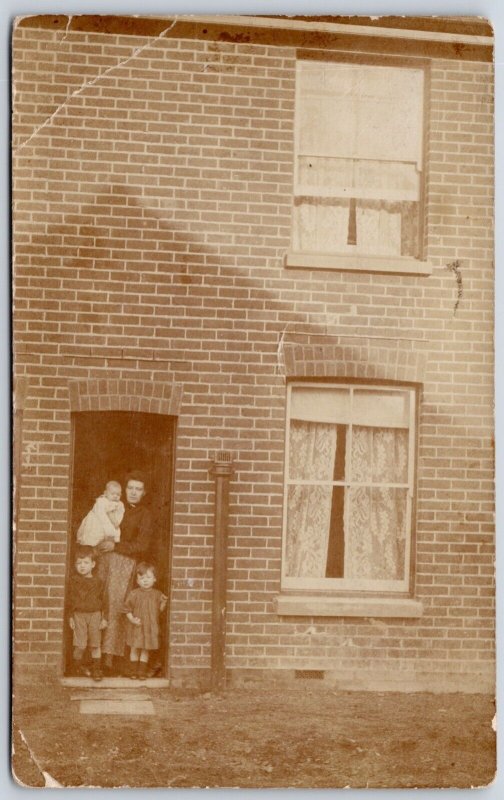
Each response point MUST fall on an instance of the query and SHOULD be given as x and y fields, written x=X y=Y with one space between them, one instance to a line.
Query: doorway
x=107 y=445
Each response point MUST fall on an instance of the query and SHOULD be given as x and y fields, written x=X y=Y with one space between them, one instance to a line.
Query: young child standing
x=142 y=607
x=104 y=519
x=87 y=613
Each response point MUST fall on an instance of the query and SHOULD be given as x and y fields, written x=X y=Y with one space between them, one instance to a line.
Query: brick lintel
x=396 y=362
x=125 y=395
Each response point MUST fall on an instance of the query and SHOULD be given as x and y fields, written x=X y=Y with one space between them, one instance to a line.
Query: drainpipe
x=222 y=469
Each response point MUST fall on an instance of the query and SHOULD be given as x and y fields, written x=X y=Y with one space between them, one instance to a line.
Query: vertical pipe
x=221 y=470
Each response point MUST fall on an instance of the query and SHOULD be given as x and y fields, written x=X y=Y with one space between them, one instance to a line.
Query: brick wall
x=153 y=182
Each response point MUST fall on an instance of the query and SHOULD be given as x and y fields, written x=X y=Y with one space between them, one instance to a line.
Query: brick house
x=265 y=246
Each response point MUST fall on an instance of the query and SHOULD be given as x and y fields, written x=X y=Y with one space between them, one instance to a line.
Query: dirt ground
x=305 y=737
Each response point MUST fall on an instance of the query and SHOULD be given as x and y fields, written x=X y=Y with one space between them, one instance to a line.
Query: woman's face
x=134 y=491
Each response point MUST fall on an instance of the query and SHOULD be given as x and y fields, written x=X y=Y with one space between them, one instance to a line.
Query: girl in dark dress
x=143 y=607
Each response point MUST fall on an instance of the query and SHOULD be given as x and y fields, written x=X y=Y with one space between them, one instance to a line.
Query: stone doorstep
x=109 y=694
x=106 y=700
x=103 y=701
x=104 y=707
x=113 y=683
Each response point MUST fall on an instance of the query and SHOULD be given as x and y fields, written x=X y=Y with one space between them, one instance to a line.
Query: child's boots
x=108 y=664
x=142 y=670
x=96 y=672
x=81 y=670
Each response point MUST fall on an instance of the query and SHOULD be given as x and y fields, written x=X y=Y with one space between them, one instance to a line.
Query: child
x=104 y=519
x=87 y=617
x=143 y=606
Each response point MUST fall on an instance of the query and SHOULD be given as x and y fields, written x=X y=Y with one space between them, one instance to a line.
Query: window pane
x=349 y=177
x=325 y=172
x=320 y=405
x=379 y=455
x=390 y=103
x=379 y=227
x=386 y=409
x=321 y=226
x=402 y=176
x=361 y=111
x=310 y=76
x=376 y=534
x=308 y=521
x=312 y=451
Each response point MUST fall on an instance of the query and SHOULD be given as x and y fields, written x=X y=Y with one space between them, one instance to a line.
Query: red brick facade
x=152 y=213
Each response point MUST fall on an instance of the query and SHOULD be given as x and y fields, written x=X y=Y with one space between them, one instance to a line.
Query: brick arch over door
x=125 y=395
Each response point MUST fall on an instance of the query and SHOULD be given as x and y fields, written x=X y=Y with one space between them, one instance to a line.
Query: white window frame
x=344 y=584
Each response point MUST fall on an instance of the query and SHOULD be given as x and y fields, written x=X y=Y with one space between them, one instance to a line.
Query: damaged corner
x=26 y=768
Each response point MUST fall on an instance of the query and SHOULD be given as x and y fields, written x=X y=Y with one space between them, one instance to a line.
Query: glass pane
x=378 y=227
x=308 y=521
x=320 y=404
x=361 y=111
x=311 y=140
x=312 y=451
x=310 y=76
x=375 y=535
x=326 y=173
x=390 y=113
x=387 y=175
x=351 y=173
x=379 y=455
x=386 y=409
x=321 y=226
x=333 y=173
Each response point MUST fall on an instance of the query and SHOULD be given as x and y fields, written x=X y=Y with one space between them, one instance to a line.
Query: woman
x=117 y=564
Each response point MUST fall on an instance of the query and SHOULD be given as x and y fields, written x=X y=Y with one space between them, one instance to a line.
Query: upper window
x=358 y=160
x=349 y=487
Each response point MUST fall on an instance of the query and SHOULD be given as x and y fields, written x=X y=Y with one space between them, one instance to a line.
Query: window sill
x=325 y=606
x=358 y=263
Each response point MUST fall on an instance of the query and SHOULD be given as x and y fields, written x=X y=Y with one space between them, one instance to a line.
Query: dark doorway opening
x=107 y=445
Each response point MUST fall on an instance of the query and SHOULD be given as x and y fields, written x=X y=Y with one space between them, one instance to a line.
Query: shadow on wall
x=142 y=267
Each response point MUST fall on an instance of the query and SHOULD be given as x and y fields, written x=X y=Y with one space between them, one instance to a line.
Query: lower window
x=349 y=487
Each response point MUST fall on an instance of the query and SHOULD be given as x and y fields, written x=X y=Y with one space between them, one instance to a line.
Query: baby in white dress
x=104 y=519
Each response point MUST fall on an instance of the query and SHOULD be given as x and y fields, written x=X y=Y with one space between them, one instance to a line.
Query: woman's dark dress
x=117 y=569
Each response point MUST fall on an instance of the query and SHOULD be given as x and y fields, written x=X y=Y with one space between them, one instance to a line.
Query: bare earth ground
x=305 y=737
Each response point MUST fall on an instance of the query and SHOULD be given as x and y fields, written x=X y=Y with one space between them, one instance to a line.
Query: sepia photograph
x=253 y=401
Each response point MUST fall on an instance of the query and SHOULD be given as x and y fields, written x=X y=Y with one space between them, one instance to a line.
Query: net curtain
x=375 y=517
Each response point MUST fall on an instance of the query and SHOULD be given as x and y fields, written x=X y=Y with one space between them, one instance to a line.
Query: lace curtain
x=375 y=545
x=312 y=454
x=375 y=517
x=382 y=227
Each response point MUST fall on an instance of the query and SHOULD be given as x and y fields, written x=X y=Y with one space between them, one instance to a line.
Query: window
x=349 y=488
x=359 y=160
